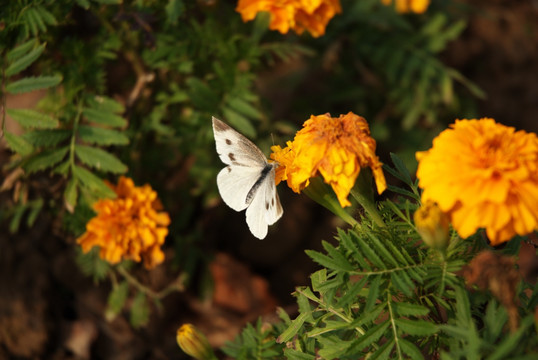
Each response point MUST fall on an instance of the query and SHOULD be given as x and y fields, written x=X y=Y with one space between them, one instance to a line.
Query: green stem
x=393 y=324
x=323 y=195
x=369 y=206
x=74 y=135
x=176 y=285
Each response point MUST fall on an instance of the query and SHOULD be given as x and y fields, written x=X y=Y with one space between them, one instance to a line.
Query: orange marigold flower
x=432 y=225
x=406 y=6
x=131 y=226
x=484 y=175
x=336 y=148
x=299 y=15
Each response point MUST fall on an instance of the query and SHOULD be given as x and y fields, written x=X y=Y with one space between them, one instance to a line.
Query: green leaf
x=402 y=170
x=29 y=21
x=244 y=108
x=33 y=83
x=35 y=16
x=416 y=327
x=369 y=316
x=15 y=222
x=332 y=347
x=383 y=352
x=293 y=354
x=283 y=315
x=318 y=278
x=201 y=95
x=239 y=122
x=85 y=4
x=46 y=16
x=63 y=168
x=455 y=331
x=24 y=61
x=33 y=119
x=35 y=209
x=101 y=136
x=337 y=255
x=330 y=326
x=45 y=159
x=510 y=343
x=372 y=335
x=104 y=117
x=401 y=191
x=402 y=282
x=410 y=349
x=71 y=195
x=381 y=249
x=106 y=104
x=18 y=144
x=371 y=255
x=351 y=294
x=93 y=182
x=20 y=50
x=47 y=137
x=294 y=327
x=139 y=310
x=328 y=262
x=409 y=309
x=92 y=265
x=349 y=241
x=463 y=307
x=373 y=293
x=117 y=298
x=99 y=159
x=174 y=9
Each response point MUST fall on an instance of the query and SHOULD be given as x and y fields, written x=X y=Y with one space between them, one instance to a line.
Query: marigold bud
x=432 y=225
x=194 y=343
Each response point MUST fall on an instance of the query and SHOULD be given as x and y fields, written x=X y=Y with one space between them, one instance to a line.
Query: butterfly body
x=248 y=180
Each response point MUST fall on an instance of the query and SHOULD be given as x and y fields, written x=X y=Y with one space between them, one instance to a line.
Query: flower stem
x=176 y=285
x=323 y=195
x=369 y=206
x=363 y=193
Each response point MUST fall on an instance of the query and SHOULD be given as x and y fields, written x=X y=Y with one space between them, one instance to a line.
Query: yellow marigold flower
x=432 y=225
x=406 y=6
x=298 y=15
x=131 y=226
x=336 y=148
x=484 y=175
x=194 y=343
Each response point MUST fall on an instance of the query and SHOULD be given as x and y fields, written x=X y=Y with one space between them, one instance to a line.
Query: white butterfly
x=248 y=182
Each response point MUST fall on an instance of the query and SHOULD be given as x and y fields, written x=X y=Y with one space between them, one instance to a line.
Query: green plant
x=381 y=293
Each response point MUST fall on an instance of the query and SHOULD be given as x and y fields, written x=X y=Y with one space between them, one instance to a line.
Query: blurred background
x=173 y=64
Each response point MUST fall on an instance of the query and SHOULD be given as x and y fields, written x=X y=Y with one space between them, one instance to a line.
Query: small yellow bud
x=432 y=225
x=194 y=343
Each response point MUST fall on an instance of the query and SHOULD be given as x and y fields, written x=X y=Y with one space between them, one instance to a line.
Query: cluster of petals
x=336 y=148
x=298 y=15
x=483 y=175
x=407 y=6
x=131 y=226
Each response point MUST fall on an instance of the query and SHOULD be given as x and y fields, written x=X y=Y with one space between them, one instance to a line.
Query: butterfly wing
x=272 y=201
x=265 y=208
x=235 y=183
x=236 y=150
